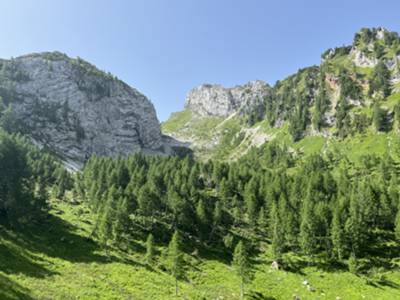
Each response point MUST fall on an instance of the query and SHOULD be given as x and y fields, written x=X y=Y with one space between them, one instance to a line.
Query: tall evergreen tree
x=175 y=260
x=338 y=234
x=121 y=222
x=308 y=228
x=355 y=224
x=241 y=265
x=380 y=81
x=276 y=232
x=104 y=228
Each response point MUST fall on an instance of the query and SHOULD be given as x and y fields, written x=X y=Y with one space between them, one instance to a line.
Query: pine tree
x=276 y=232
x=175 y=261
x=150 y=249
x=308 y=228
x=241 y=265
x=356 y=226
x=262 y=220
x=380 y=81
x=104 y=228
x=337 y=234
x=146 y=201
x=217 y=214
x=121 y=223
x=202 y=220
x=250 y=198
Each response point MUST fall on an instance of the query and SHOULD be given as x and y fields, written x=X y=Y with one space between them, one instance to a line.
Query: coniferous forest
x=321 y=207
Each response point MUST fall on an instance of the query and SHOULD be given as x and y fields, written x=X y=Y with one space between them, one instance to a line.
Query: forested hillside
x=312 y=211
x=173 y=215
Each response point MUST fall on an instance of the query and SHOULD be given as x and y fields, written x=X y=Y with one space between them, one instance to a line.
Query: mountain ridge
x=334 y=100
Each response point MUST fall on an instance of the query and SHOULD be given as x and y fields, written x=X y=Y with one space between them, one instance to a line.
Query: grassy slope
x=57 y=261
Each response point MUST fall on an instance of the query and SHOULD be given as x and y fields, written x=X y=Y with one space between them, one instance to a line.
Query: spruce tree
x=175 y=261
x=121 y=223
x=250 y=198
x=308 y=228
x=241 y=265
x=356 y=226
x=337 y=234
x=104 y=228
x=380 y=81
x=202 y=220
x=276 y=232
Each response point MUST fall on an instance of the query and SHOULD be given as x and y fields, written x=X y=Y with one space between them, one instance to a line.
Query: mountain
x=75 y=110
x=353 y=92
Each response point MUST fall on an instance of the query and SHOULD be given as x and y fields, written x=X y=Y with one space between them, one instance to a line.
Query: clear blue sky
x=166 y=47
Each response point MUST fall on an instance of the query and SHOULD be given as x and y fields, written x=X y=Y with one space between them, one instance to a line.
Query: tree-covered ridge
x=355 y=90
x=315 y=97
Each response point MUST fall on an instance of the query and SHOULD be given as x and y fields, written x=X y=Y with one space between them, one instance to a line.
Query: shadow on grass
x=258 y=296
x=21 y=250
x=389 y=283
x=10 y=290
x=14 y=260
x=55 y=238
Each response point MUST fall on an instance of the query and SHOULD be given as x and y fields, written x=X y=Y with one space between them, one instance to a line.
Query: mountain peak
x=216 y=100
x=76 y=110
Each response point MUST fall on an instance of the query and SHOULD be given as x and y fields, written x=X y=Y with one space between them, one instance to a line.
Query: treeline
x=25 y=177
x=310 y=206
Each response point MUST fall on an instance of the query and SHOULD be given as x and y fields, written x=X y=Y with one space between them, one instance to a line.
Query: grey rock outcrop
x=360 y=59
x=216 y=100
x=75 y=110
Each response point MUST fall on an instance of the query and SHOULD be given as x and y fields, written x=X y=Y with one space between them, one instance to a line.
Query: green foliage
x=25 y=174
x=353 y=264
x=322 y=103
x=276 y=232
x=241 y=265
x=9 y=121
x=380 y=81
x=380 y=118
x=175 y=262
x=150 y=251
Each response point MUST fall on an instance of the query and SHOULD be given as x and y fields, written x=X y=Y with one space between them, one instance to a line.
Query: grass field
x=58 y=260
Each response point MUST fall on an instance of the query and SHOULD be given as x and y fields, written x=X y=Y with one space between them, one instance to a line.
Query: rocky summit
x=75 y=110
x=216 y=100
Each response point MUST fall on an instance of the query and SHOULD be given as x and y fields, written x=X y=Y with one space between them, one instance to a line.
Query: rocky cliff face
x=216 y=100
x=75 y=110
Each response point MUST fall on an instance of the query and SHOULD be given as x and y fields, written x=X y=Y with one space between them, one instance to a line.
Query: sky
x=164 y=48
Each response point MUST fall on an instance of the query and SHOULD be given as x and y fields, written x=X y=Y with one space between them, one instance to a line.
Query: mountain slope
x=75 y=110
x=354 y=91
